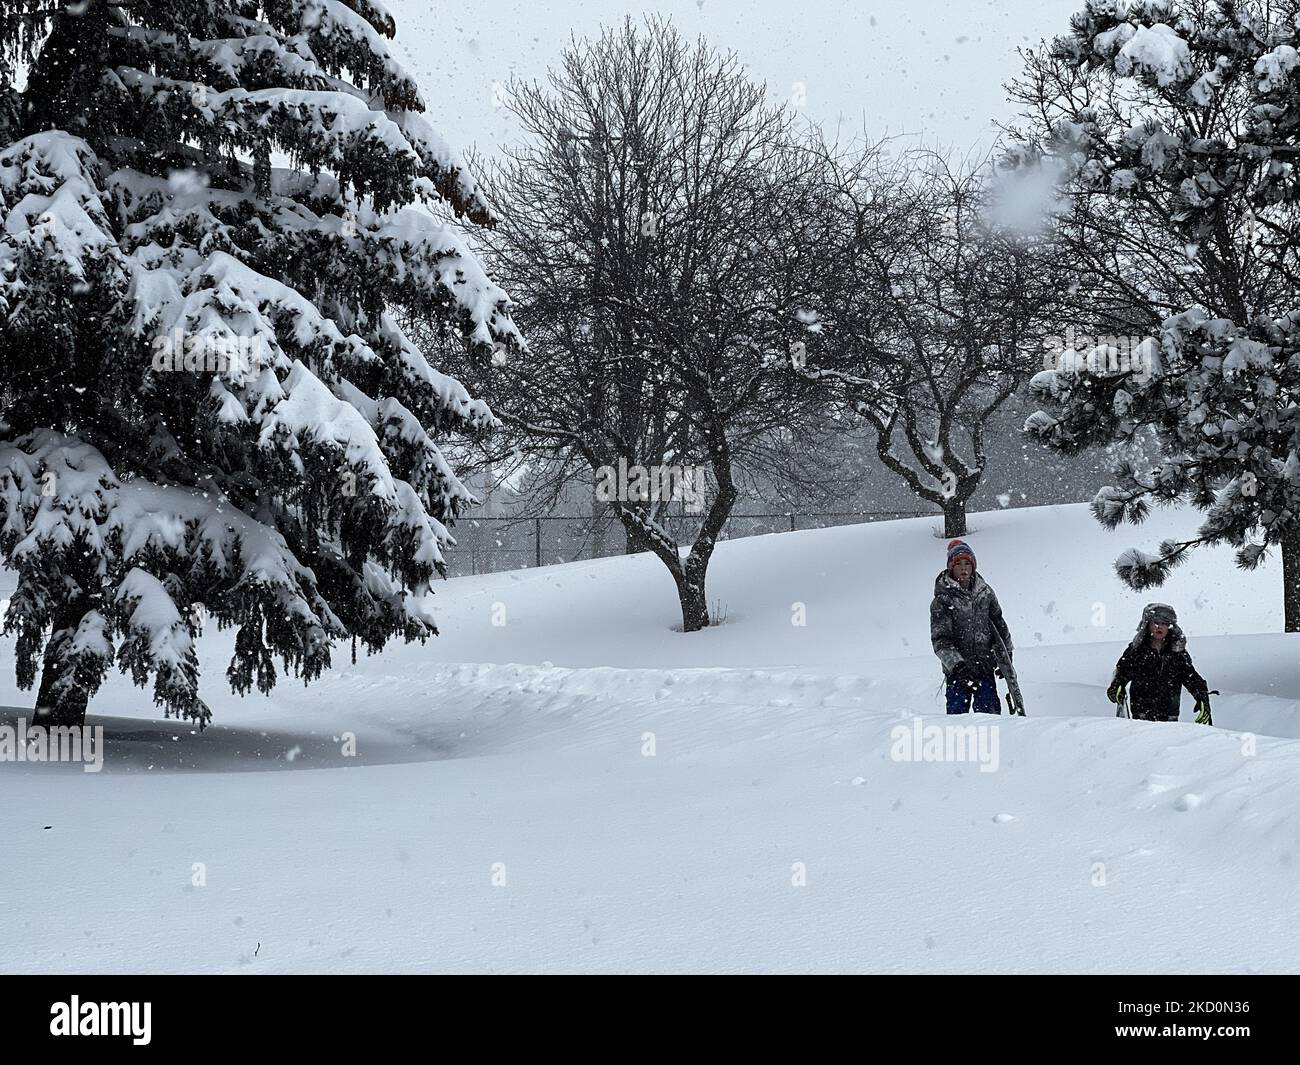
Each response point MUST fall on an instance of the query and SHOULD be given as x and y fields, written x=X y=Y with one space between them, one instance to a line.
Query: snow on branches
x=1175 y=127
x=214 y=218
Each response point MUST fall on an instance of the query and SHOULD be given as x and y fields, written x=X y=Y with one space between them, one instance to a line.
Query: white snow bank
x=582 y=788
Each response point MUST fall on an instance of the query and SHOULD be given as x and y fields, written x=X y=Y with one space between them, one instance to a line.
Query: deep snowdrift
x=503 y=809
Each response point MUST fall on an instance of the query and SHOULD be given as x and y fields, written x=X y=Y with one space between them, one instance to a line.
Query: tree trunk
x=71 y=709
x=598 y=521
x=631 y=542
x=954 y=517
x=695 y=609
x=1291 y=580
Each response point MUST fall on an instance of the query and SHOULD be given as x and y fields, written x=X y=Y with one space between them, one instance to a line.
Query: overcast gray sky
x=929 y=67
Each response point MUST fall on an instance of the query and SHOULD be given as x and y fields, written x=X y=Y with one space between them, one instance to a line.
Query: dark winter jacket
x=1155 y=679
x=964 y=625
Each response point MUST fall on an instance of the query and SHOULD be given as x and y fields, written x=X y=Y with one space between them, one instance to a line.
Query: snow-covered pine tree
x=212 y=213
x=1176 y=127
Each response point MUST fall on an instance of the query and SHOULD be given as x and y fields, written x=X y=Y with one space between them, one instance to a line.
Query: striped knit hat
x=959 y=549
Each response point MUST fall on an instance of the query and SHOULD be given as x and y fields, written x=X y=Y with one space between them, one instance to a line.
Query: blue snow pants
x=985 y=697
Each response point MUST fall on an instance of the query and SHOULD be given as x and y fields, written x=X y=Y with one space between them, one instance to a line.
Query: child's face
x=963 y=569
x=1159 y=629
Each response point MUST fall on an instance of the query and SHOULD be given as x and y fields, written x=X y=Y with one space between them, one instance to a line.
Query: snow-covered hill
x=563 y=782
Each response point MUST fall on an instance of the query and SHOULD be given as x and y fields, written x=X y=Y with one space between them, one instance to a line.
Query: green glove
x=1203 y=711
x=1115 y=690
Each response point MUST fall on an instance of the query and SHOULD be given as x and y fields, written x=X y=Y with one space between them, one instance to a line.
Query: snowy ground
x=516 y=752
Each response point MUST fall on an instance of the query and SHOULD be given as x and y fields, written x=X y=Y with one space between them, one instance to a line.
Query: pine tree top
x=217 y=215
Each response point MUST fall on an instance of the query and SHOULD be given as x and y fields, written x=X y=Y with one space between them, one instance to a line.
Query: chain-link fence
x=492 y=544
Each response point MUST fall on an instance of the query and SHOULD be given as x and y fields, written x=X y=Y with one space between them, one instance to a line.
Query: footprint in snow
x=1190 y=801
x=1002 y=819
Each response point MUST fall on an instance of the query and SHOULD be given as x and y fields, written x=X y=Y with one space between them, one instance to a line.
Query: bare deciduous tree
x=657 y=241
x=932 y=316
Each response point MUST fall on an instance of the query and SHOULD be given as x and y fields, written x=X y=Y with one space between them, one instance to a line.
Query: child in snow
x=1156 y=666
x=966 y=625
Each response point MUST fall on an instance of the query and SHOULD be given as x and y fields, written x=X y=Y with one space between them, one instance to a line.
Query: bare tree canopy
x=932 y=315
x=658 y=239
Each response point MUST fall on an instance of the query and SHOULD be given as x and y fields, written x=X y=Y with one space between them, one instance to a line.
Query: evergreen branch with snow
x=212 y=408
